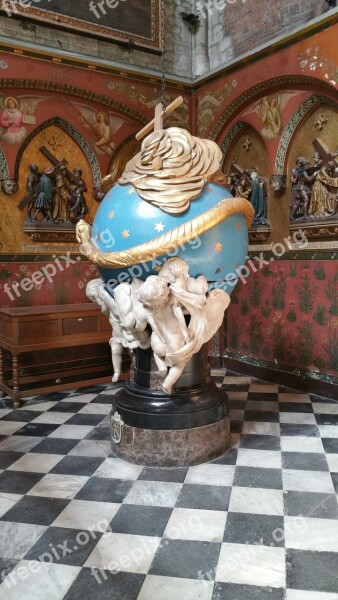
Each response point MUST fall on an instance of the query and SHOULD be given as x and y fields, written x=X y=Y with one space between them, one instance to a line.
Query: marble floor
x=259 y=523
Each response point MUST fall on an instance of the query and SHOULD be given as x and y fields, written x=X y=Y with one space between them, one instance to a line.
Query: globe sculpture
x=168 y=240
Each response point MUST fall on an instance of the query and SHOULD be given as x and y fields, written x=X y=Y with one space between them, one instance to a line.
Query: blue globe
x=125 y=220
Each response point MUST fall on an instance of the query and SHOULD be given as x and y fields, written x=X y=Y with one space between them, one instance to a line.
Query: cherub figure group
x=171 y=312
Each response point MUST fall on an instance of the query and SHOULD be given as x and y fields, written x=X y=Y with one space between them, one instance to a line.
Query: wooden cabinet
x=39 y=330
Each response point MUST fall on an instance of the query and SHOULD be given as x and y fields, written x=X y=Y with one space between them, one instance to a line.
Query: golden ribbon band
x=166 y=242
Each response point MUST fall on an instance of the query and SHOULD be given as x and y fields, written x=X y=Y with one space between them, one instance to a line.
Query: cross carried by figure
x=160 y=114
x=236 y=170
x=323 y=153
x=57 y=163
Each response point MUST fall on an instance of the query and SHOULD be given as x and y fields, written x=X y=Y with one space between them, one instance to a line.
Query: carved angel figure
x=182 y=315
x=171 y=311
x=127 y=331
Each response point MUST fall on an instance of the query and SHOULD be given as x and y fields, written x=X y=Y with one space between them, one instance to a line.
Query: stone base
x=173 y=448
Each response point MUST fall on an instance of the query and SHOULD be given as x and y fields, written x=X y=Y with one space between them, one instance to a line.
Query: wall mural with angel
x=100 y=125
x=270 y=112
x=15 y=114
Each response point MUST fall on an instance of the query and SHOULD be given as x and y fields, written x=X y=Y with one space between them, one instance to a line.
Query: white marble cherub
x=182 y=316
x=171 y=311
x=126 y=331
x=169 y=329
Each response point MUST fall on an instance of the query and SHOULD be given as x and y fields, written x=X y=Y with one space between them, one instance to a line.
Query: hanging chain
x=163 y=65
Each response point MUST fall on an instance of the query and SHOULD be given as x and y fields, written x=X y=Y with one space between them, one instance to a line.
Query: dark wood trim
x=297 y=382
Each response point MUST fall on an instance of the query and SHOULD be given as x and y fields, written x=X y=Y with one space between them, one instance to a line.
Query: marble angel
x=183 y=316
x=174 y=309
x=127 y=332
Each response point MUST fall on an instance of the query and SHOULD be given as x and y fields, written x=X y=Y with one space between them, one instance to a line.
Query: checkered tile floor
x=260 y=523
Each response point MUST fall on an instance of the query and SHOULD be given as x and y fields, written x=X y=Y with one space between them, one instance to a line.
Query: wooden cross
x=160 y=114
x=240 y=172
x=324 y=154
x=30 y=197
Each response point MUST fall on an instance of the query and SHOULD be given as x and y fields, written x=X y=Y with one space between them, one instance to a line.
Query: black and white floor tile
x=259 y=523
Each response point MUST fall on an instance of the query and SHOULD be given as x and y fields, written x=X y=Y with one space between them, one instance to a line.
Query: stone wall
x=228 y=29
x=178 y=42
x=231 y=28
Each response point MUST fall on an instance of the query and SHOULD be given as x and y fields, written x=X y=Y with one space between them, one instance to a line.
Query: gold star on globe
x=238 y=227
x=125 y=233
x=159 y=227
x=131 y=191
x=219 y=247
x=112 y=214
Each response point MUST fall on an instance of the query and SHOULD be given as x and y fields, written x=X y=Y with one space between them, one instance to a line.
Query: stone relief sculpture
x=249 y=184
x=171 y=312
x=258 y=197
x=324 y=193
x=9 y=186
x=301 y=179
x=314 y=191
x=55 y=194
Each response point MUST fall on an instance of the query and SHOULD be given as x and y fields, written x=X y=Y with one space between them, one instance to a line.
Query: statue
x=127 y=331
x=42 y=198
x=31 y=186
x=163 y=303
x=301 y=179
x=172 y=341
x=62 y=193
x=314 y=192
x=55 y=193
x=323 y=202
x=164 y=236
x=243 y=189
x=78 y=205
x=258 y=196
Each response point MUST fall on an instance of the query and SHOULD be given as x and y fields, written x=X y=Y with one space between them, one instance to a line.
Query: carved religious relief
x=314 y=188
x=9 y=187
x=55 y=195
x=247 y=174
x=249 y=184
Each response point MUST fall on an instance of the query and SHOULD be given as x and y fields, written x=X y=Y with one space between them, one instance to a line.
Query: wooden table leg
x=2 y=373
x=16 y=388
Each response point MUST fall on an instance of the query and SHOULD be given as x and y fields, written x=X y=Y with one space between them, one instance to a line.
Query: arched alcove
x=74 y=135
x=301 y=116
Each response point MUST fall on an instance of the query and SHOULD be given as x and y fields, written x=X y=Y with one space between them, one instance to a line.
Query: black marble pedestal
x=189 y=427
